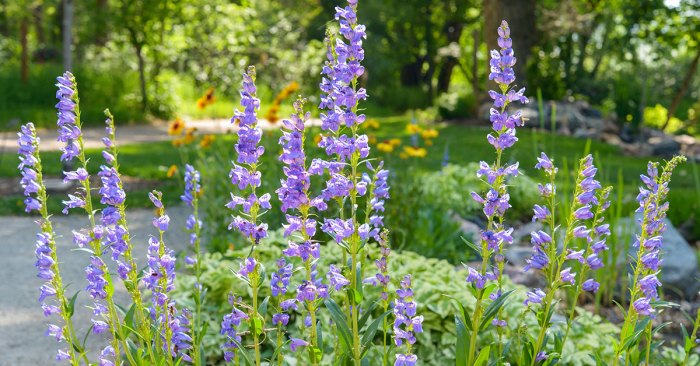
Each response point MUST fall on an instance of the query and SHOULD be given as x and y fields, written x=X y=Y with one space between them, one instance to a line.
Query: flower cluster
x=229 y=326
x=45 y=248
x=496 y=200
x=159 y=277
x=406 y=323
x=248 y=152
x=652 y=208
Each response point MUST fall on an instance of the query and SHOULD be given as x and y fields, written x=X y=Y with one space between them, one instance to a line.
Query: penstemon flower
x=247 y=177
x=229 y=326
x=193 y=225
x=643 y=289
x=496 y=200
x=52 y=292
x=582 y=223
x=382 y=279
x=297 y=204
x=159 y=277
x=406 y=323
x=347 y=183
x=100 y=287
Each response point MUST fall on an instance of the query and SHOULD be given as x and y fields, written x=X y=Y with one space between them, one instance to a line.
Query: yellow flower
x=189 y=135
x=178 y=142
x=413 y=128
x=385 y=146
x=430 y=133
x=403 y=156
x=415 y=152
x=207 y=140
x=172 y=171
x=372 y=124
x=428 y=142
x=317 y=139
x=372 y=140
x=207 y=99
x=176 y=127
x=395 y=142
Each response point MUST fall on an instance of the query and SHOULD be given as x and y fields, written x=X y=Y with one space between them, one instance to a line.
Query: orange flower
x=189 y=135
x=206 y=141
x=207 y=99
x=176 y=127
x=172 y=171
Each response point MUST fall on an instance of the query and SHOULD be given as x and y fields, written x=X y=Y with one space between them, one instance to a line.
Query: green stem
x=693 y=336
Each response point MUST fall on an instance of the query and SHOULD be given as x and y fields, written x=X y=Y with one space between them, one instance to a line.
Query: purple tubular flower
x=192 y=186
x=68 y=129
x=248 y=153
x=280 y=279
x=567 y=276
x=336 y=279
x=643 y=307
x=545 y=163
x=406 y=323
x=297 y=343
x=590 y=285
x=534 y=297
x=406 y=360
x=229 y=326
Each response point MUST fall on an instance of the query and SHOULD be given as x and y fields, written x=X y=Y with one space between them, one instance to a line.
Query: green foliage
x=656 y=117
x=32 y=101
x=436 y=284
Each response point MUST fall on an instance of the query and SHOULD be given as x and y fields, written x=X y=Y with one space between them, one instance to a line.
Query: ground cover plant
x=323 y=285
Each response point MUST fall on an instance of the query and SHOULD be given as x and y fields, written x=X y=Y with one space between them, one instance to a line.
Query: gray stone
x=518 y=255
x=679 y=269
x=470 y=230
x=665 y=146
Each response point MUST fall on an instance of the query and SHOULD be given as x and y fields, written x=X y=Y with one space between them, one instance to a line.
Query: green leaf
x=341 y=322
x=277 y=351
x=462 y=342
x=319 y=336
x=471 y=245
x=464 y=316
x=483 y=356
x=366 y=315
x=355 y=295
x=262 y=309
x=493 y=308
x=371 y=330
x=71 y=304
x=241 y=351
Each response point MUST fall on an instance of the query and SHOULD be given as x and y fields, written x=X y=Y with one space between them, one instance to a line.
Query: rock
x=587 y=133
x=470 y=230
x=517 y=255
x=664 y=146
x=679 y=268
x=521 y=235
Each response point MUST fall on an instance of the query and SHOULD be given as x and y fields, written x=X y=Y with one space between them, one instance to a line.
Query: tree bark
x=453 y=30
x=521 y=16
x=142 y=77
x=67 y=34
x=476 y=89
x=687 y=80
x=38 y=13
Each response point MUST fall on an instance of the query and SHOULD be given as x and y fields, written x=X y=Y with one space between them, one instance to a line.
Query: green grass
x=465 y=144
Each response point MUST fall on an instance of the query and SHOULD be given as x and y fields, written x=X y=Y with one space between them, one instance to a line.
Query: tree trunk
x=520 y=15
x=453 y=30
x=24 y=67
x=683 y=89
x=102 y=32
x=67 y=34
x=142 y=77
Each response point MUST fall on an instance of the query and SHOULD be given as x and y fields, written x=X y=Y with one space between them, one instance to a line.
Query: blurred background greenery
x=149 y=59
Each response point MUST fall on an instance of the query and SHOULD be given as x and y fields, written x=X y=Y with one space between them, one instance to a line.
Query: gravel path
x=22 y=324
x=156 y=131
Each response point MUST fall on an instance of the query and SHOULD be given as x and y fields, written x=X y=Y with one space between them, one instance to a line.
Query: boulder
x=664 y=146
x=679 y=269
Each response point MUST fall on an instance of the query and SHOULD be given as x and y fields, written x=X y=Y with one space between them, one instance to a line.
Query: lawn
x=463 y=144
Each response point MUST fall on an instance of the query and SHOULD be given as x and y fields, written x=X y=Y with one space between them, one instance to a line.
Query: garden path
x=22 y=324
x=131 y=134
